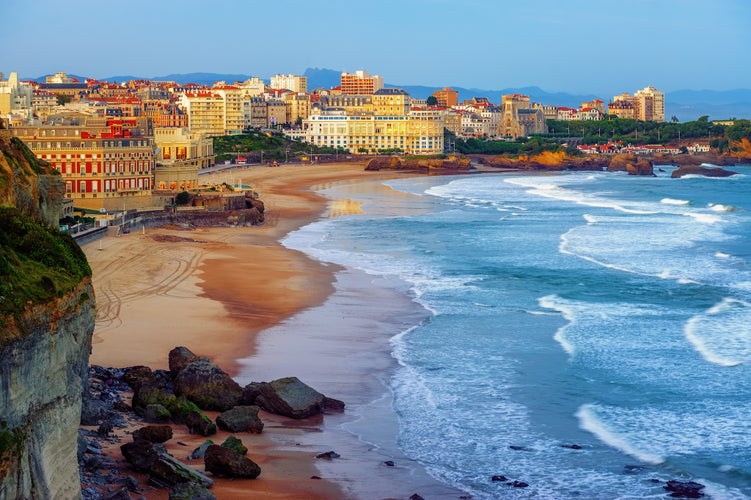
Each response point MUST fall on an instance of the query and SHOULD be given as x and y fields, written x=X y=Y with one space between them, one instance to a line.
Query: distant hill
x=686 y=105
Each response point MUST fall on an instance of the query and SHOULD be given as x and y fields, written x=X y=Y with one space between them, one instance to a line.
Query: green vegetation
x=11 y=444
x=635 y=131
x=611 y=129
x=37 y=264
x=257 y=145
x=182 y=198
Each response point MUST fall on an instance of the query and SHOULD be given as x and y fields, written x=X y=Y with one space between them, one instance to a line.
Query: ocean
x=587 y=334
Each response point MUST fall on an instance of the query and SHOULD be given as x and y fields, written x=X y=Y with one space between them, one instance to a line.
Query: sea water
x=589 y=334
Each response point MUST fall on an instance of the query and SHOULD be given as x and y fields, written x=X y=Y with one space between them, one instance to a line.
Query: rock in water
x=290 y=397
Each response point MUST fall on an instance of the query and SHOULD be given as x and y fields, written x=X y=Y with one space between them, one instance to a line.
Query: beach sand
x=215 y=290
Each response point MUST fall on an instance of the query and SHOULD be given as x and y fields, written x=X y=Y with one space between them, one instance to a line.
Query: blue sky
x=601 y=47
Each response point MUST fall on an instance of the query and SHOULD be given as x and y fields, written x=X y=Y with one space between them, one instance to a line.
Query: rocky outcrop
x=46 y=325
x=164 y=470
x=703 y=171
x=452 y=163
x=630 y=163
x=30 y=185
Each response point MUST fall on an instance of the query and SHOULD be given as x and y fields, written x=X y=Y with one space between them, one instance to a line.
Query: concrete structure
x=105 y=164
x=295 y=83
x=360 y=82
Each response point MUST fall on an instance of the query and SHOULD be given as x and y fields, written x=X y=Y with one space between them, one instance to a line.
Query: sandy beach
x=215 y=290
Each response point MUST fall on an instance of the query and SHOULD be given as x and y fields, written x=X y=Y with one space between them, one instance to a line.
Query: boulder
x=684 y=489
x=290 y=397
x=225 y=462
x=135 y=376
x=250 y=393
x=703 y=171
x=201 y=450
x=236 y=444
x=630 y=163
x=153 y=433
x=190 y=491
x=240 y=419
x=198 y=423
x=179 y=358
x=208 y=386
x=163 y=469
x=156 y=413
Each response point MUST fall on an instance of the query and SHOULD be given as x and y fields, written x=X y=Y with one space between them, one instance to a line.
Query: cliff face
x=46 y=325
x=33 y=187
x=42 y=378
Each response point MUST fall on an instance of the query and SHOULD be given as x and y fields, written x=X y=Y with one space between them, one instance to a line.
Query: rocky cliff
x=46 y=324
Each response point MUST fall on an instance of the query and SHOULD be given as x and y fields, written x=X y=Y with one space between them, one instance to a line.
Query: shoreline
x=215 y=290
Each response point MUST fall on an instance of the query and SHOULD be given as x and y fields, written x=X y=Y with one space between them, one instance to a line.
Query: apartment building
x=205 y=110
x=650 y=104
x=390 y=102
x=297 y=105
x=447 y=97
x=233 y=108
x=15 y=99
x=360 y=82
x=106 y=163
x=295 y=83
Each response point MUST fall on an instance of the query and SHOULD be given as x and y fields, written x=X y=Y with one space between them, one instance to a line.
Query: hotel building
x=360 y=83
x=106 y=164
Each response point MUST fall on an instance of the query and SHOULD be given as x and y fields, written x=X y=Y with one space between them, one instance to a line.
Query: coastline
x=216 y=290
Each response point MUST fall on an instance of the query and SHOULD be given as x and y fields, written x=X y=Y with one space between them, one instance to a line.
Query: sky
x=600 y=47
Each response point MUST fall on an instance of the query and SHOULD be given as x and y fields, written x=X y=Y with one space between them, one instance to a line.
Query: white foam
x=721 y=208
x=671 y=201
x=705 y=218
x=591 y=219
x=568 y=313
x=721 y=335
x=589 y=421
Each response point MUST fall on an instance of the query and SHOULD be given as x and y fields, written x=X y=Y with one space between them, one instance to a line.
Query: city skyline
x=583 y=46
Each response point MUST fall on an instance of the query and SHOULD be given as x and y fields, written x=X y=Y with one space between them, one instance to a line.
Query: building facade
x=108 y=165
x=295 y=83
x=650 y=104
x=360 y=82
x=447 y=97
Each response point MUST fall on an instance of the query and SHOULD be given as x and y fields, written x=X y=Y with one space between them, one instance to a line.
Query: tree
x=182 y=198
x=432 y=101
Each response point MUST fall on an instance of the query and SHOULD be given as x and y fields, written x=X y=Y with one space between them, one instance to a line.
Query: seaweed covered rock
x=208 y=386
x=225 y=462
x=240 y=419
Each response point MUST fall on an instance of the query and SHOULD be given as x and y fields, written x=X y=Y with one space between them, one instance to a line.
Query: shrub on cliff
x=37 y=264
